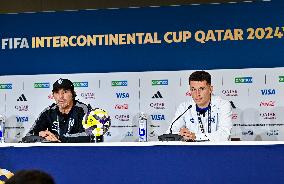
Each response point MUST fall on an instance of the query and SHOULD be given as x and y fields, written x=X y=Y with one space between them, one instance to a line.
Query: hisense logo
x=119 y=83
x=6 y=86
x=243 y=80
x=80 y=84
x=41 y=85
x=160 y=82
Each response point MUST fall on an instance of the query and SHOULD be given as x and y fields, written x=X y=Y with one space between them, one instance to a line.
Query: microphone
x=171 y=131
x=171 y=136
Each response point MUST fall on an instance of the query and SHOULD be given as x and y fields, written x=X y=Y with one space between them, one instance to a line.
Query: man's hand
x=49 y=136
x=187 y=135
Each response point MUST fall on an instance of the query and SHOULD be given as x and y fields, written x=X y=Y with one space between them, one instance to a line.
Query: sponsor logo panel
x=158 y=117
x=22 y=98
x=160 y=82
x=22 y=108
x=122 y=117
x=267 y=103
x=119 y=83
x=158 y=105
x=268 y=91
x=22 y=119
x=230 y=92
x=122 y=95
x=80 y=84
x=243 y=80
x=42 y=85
x=157 y=95
x=6 y=86
x=121 y=106
x=88 y=95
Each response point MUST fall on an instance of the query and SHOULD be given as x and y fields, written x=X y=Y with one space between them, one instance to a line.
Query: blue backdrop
x=153 y=164
x=152 y=57
x=159 y=164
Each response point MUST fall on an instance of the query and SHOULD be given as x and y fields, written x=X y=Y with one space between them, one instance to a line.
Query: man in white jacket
x=208 y=117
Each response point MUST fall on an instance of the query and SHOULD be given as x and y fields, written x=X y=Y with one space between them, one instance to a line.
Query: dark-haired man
x=209 y=118
x=62 y=121
x=30 y=177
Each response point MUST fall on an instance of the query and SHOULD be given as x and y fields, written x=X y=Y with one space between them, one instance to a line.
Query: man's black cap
x=63 y=84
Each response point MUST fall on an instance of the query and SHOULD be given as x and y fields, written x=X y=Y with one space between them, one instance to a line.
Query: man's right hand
x=187 y=135
x=49 y=136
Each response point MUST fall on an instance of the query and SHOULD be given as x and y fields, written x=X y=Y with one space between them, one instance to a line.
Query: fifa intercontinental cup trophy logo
x=5 y=174
x=96 y=123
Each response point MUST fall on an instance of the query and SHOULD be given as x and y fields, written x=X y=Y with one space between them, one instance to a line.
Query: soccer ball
x=96 y=122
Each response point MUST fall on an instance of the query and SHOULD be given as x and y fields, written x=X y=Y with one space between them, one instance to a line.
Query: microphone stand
x=171 y=136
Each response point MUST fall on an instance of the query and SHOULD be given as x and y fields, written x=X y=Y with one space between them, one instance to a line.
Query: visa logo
x=243 y=80
x=160 y=82
x=281 y=78
x=158 y=117
x=119 y=83
x=42 y=85
x=22 y=119
x=268 y=91
x=6 y=86
x=122 y=95
x=80 y=84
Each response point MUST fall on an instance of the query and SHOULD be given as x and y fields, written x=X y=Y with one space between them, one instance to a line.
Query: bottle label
x=142 y=131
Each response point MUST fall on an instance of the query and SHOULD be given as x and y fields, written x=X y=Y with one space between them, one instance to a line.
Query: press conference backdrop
x=256 y=94
x=145 y=49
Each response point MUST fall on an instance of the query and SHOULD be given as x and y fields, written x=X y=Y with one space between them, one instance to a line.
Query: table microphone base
x=170 y=137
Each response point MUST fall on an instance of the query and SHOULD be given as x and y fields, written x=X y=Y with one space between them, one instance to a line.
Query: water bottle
x=2 y=128
x=142 y=127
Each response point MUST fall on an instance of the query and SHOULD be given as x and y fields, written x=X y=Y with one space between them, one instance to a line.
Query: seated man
x=62 y=121
x=207 y=117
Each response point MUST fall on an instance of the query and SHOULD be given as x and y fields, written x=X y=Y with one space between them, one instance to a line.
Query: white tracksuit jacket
x=221 y=120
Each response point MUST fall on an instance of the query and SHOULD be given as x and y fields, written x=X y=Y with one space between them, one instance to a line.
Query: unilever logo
x=41 y=85
x=6 y=86
x=160 y=82
x=281 y=78
x=243 y=80
x=119 y=83
x=80 y=84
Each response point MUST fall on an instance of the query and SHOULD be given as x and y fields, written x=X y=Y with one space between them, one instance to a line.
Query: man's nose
x=61 y=95
x=198 y=91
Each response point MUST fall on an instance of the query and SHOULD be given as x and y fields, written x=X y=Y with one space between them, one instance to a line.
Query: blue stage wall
x=149 y=57
x=158 y=164
x=152 y=164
